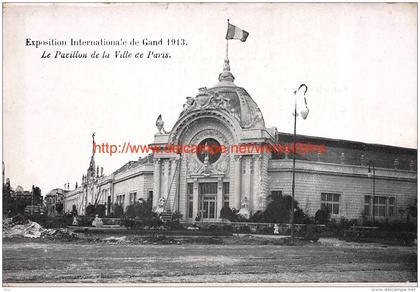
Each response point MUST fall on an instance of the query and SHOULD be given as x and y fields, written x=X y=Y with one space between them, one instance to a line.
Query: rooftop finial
x=93 y=143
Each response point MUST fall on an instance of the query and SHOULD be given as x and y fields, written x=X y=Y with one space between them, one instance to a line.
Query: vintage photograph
x=246 y=144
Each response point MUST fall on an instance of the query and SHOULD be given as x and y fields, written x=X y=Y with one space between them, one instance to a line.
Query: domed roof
x=226 y=96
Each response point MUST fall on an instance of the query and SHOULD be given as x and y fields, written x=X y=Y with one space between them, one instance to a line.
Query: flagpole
x=227 y=49
x=227 y=44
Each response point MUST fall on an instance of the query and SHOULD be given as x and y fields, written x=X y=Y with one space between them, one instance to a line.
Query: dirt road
x=50 y=262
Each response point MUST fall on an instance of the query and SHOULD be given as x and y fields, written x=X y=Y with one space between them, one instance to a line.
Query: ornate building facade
x=198 y=184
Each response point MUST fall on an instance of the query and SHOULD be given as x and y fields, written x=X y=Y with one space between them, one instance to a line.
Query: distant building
x=201 y=184
x=30 y=202
x=20 y=193
x=52 y=200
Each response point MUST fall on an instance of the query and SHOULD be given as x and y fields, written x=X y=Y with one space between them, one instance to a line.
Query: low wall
x=267 y=228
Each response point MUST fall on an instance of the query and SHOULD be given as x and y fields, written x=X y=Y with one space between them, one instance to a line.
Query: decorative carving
x=411 y=164
x=203 y=97
x=193 y=166
x=257 y=157
x=261 y=202
x=196 y=168
x=362 y=160
x=207 y=99
x=188 y=105
x=396 y=163
x=223 y=165
x=253 y=115
x=237 y=157
x=156 y=160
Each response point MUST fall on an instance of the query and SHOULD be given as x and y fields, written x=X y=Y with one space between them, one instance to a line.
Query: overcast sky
x=358 y=60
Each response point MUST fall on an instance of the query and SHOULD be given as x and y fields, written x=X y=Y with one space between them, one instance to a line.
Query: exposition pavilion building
x=200 y=184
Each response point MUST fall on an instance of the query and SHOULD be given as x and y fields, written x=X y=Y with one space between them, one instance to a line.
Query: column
x=219 y=198
x=156 y=182
x=173 y=188
x=257 y=182
x=237 y=189
x=165 y=186
x=195 y=199
x=247 y=177
x=182 y=193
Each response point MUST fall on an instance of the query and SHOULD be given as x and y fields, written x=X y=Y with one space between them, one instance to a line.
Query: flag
x=234 y=32
x=301 y=105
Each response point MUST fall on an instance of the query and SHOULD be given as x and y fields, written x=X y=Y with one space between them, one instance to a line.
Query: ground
x=31 y=261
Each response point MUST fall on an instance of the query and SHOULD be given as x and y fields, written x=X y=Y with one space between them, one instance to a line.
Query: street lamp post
x=372 y=174
x=292 y=221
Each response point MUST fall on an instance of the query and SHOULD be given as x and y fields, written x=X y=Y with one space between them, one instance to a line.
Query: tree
x=59 y=207
x=36 y=192
x=412 y=211
x=7 y=199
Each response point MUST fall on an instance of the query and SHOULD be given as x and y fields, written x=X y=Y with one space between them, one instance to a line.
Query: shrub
x=311 y=233
x=258 y=217
x=301 y=217
x=90 y=210
x=229 y=214
x=74 y=210
x=20 y=207
x=322 y=216
x=176 y=216
x=212 y=228
x=85 y=220
x=139 y=210
x=100 y=210
x=279 y=209
x=130 y=212
x=118 y=210
x=227 y=228
x=174 y=225
x=244 y=229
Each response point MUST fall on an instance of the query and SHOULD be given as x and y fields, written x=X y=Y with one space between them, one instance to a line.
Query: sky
x=359 y=62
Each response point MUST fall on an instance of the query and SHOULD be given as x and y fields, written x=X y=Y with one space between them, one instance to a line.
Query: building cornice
x=315 y=167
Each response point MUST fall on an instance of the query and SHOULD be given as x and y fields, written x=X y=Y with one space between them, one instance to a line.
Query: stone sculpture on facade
x=244 y=211
x=161 y=205
x=160 y=125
